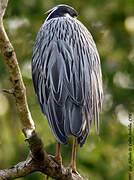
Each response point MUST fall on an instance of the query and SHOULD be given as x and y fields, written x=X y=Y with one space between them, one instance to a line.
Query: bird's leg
x=58 y=157
x=73 y=161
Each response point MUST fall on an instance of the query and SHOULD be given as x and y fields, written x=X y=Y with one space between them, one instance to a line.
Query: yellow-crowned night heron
x=67 y=77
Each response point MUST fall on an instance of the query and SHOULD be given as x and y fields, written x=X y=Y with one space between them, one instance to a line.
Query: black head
x=61 y=11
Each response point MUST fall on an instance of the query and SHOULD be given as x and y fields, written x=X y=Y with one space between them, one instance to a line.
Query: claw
x=73 y=170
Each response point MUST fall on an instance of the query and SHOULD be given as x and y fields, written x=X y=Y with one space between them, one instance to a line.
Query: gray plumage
x=67 y=77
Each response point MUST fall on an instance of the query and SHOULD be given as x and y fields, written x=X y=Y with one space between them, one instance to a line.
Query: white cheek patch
x=67 y=15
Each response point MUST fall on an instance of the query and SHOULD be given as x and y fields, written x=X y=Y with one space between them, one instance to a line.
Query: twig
x=10 y=91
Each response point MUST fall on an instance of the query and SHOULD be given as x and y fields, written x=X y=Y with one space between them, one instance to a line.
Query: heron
x=67 y=78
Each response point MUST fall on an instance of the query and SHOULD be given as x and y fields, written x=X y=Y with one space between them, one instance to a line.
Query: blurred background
x=104 y=156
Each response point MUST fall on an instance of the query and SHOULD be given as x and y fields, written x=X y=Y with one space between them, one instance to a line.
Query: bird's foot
x=73 y=170
x=57 y=159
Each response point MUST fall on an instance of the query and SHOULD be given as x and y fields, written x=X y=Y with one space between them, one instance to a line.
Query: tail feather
x=56 y=120
x=74 y=120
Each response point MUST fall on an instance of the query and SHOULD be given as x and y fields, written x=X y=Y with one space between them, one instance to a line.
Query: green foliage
x=112 y=26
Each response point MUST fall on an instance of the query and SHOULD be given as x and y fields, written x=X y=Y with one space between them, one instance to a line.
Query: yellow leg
x=58 y=154
x=73 y=162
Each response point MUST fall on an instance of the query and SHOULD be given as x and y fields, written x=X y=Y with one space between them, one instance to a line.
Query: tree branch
x=9 y=56
x=38 y=160
x=21 y=169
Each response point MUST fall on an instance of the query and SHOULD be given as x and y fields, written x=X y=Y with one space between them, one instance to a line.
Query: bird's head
x=61 y=11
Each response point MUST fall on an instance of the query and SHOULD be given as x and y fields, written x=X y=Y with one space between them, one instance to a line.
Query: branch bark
x=18 y=87
x=37 y=160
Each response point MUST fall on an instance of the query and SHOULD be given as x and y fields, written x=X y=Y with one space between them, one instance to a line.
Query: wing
x=88 y=73
x=67 y=78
